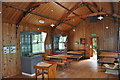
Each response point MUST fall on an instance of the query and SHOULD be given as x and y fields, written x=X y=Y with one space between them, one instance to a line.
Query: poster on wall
x=83 y=41
x=6 y=49
x=48 y=46
x=13 y=49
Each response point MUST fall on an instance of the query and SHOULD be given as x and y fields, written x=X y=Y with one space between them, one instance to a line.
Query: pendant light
x=100 y=17
x=52 y=25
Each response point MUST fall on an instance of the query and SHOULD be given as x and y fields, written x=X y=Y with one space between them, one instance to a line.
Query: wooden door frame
x=1 y=45
x=91 y=45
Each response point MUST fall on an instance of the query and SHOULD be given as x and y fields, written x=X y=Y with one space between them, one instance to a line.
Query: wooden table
x=43 y=66
x=109 y=55
x=75 y=52
x=106 y=60
x=60 y=56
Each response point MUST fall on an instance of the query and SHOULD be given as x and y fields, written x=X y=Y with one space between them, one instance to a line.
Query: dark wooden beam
x=87 y=15
x=29 y=9
x=66 y=8
x=89 y=8
x=94 y=5
x=112 y=10
x=68 y=13
x=24 y=10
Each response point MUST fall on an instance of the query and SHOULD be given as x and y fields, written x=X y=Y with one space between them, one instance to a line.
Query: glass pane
x=61 y=46
x=38 y=47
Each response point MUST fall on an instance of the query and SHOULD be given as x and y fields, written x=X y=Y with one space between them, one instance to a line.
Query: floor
x=84 y=69
x=80 y=69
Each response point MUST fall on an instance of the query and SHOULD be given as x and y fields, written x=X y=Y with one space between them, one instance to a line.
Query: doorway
x=93 y=48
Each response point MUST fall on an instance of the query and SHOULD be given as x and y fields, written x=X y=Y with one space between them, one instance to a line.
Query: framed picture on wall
x=83 y=41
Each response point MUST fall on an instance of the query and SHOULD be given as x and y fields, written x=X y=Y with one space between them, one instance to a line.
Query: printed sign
x=13 y=49
x=6 y=50
x=48 y=46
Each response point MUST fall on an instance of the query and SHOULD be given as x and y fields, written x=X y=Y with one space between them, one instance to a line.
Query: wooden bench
x=77 y=57
x=59 y=64
x=76 y=54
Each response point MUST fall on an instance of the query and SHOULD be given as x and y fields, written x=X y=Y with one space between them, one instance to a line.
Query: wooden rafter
x=24 y=10
x=30 y=8
x=94 y=5
x=66 y=8
x=89 y=8
x=112 y=10
x=68 y=13
x=88 y=15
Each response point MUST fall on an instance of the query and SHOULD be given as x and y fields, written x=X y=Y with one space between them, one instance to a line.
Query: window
x=62 y=41
x=32 y=42
x=38 y=42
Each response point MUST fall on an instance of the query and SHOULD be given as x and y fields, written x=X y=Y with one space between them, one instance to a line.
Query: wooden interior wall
x=11 y=62
x=75 y=36
x=107 y=37
x=0 y=41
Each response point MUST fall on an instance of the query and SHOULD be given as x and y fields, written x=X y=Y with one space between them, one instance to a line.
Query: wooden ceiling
x=65 y=15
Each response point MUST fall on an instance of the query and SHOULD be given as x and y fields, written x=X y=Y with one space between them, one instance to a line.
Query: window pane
x=38 y=47
x=61 y=46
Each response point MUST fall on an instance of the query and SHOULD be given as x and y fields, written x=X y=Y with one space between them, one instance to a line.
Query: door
x=93 y=47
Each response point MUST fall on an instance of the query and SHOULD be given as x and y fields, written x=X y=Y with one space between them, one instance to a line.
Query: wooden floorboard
x=80 y=69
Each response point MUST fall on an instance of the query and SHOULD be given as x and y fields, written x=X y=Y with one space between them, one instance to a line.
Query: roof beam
x=89 y=8
x=88 y=15
x=30 y=9
x=94 y=14
x=68 y=13
x=112 y=10
x=24 y=10
x=66 y=8
x=94 y=6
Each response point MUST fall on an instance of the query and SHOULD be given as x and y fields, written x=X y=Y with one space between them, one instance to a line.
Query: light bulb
x=73 y=29
x=41 y=21
x=107 y=27
x=100 y=17
x=52 y=25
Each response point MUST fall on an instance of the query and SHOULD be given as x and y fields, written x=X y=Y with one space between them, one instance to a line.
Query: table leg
x=61 y=61
x=36 y=74
x=42 y=74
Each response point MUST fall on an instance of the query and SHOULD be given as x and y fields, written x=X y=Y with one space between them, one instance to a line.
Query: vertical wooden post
x=52 y=36
x=1 y=40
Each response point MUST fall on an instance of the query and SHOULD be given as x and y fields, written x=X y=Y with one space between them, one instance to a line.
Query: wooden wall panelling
x=107 y=37
x=1 y=41
x=11 y=62
x=75 y=36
